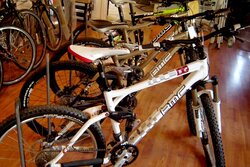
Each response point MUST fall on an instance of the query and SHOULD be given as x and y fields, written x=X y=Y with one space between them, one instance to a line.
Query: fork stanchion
x=48 y=89
x=19 y=132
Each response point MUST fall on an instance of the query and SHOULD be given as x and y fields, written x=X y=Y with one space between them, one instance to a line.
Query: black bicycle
x=31 y=23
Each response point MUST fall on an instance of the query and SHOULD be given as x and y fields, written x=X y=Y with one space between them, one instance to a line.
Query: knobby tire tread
x=54 y=66
x=214 y=130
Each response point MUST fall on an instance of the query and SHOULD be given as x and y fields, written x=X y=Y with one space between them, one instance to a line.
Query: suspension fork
x=197 y=109
x=216 y=100
x=214 y=95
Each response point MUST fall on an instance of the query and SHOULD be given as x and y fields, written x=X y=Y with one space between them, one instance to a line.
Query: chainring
x=117 y=152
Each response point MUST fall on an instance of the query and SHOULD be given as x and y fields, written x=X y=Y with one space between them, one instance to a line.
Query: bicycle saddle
x=90 y=54
x=105 y=25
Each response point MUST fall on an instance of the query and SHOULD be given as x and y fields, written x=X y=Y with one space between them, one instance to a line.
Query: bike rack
x=17 y=108
x=48 y=88
x=18 y=120
x=19 y=132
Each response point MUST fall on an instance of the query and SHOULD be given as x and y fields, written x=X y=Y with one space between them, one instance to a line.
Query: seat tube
x=121 y=14
x=104 y=81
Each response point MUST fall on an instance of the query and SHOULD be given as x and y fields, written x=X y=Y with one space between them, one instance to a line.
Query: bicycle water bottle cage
x=105 y=25
x=90 y=54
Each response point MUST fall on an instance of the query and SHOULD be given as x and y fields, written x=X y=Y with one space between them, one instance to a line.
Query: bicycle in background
x=50 y=19
x=31 y=23
x=17 y=54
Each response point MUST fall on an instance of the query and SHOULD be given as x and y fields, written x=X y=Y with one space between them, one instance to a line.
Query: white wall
x=100 y=9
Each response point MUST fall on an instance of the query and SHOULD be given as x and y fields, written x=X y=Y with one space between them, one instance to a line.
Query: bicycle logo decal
x=182 y=70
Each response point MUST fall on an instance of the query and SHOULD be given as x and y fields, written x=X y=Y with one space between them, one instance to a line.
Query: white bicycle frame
x=197 y=71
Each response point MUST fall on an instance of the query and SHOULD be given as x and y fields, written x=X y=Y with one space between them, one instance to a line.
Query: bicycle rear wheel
x=18 y=52
x=40 y=147
x=71 y=84
x=211 y=138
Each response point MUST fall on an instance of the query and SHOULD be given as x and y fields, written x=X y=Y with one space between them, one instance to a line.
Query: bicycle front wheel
x=18 y=52
x=33 y=25
x=190 y=114
x=211 y=138
x=40 y=146
x=52 y=22
x=1 y=74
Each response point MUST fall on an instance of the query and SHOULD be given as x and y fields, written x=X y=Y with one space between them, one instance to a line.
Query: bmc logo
x=182 y=70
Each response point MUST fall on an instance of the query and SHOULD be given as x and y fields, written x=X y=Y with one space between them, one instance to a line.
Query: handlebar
x=209 y=15
x=165 y=44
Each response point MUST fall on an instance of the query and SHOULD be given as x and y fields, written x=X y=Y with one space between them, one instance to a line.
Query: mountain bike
x=25 y=96
x=118 y=32
x=17 y=53
x=78 y=84
x=75 y=137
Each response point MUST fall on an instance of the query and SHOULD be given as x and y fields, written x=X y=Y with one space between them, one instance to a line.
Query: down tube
x=144 y=128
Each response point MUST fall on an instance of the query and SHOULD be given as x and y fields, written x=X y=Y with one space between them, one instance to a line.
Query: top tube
x=170 y=11
x=179 y=8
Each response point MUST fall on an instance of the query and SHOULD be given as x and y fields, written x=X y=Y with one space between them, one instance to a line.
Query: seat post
x=121 y=14
x=104 y=80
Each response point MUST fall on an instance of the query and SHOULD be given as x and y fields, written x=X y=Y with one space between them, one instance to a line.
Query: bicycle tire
x=217 y=155
x=80 y=28
x=1 y=74
x=63 y=54
x=57 y=28
x=190 y=114
x=30 y=22
x=34 y=26
x=190 y=55
x=33 y=91
x=24 y=53
x=39 y=147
